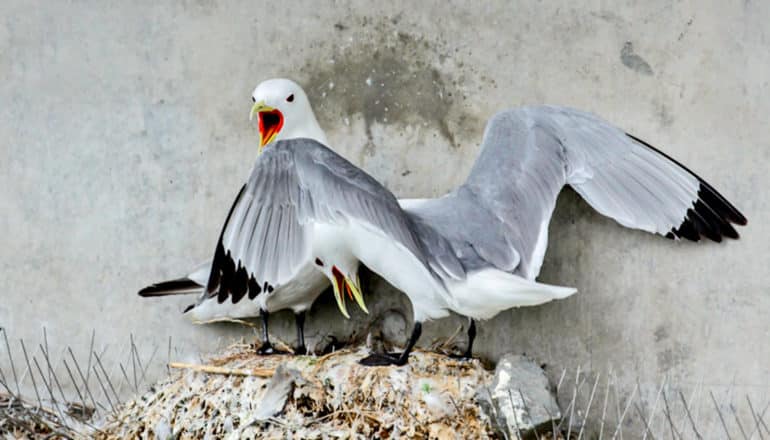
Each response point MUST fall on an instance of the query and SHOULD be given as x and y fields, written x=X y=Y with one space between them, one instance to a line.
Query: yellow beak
x=259 y=107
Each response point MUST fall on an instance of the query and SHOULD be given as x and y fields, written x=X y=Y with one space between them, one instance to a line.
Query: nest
x=239 y=394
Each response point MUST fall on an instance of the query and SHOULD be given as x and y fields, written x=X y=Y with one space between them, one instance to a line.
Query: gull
x=237 y=297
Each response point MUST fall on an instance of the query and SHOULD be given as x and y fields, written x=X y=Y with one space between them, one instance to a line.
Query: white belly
x=391 y=261
x=298 y=294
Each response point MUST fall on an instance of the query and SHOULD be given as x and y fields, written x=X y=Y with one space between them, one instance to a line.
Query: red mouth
x=270 y=123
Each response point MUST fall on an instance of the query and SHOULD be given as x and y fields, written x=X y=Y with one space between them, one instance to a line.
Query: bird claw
x=382 y=359
x=300 y=350
x=465 y=357
x=268 y=349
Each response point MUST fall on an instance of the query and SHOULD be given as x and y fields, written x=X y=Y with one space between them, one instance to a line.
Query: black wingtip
x=180 y=286
x=710 y=215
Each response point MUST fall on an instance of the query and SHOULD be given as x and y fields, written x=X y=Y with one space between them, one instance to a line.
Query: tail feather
x=488 y=292
x=179 y=286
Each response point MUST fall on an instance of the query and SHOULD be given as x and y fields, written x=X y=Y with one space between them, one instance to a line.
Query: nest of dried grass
x=241 y=395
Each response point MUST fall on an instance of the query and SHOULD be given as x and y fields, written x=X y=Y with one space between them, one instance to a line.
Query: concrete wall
x=124 y=136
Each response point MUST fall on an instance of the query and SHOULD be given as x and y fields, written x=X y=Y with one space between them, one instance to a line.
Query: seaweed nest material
x=239 y=394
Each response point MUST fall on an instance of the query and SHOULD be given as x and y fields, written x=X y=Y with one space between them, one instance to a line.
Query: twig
x=646 y=425
x=625 y=410
x=258 y=372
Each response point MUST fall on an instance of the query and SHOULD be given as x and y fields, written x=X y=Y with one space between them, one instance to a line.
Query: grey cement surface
x=124 y=136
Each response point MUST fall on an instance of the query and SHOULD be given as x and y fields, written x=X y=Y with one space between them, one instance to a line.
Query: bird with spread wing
x=475 y=251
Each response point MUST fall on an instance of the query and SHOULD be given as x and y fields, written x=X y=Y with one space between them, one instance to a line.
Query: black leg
x=299 y=320
x=266 y=347
x=378 y=359
x=471 y=337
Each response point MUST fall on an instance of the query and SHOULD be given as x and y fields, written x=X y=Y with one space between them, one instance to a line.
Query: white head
x=283 y=112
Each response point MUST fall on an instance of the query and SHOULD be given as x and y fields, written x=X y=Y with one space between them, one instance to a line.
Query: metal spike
x=90 y=354
x=83 y=378
x=588 y=408
x=738 y=421
x=604 y=411
x=526 y=408
x=143 y=378
x=106 y=376
x=756 y=420
x=10 y=359
x=31 y=374
x=646 y=425
x=689 y=416
x=134 y=361
x=515 y=419
x=625 y=411
x=50 y=391
x=74 y=383
x=52 y=377
x=104 y=389
x=667 y=411
x=654 y=408
x=574 y=401
x=721 y=418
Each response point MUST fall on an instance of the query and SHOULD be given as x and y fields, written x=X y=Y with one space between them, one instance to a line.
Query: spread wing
x=295 y=184
x=529 y=154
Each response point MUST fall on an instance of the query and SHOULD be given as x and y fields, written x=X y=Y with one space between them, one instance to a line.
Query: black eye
x=290 y=98
x=253 y=99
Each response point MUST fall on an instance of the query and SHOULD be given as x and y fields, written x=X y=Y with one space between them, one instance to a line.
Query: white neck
x=309 y=129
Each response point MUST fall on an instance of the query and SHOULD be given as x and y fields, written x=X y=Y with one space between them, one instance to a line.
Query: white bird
x=298 y=293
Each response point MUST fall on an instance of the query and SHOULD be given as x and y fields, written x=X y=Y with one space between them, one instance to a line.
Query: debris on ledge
x=239 y=394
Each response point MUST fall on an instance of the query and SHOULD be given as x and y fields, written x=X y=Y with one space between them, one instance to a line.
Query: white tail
x=485 y=293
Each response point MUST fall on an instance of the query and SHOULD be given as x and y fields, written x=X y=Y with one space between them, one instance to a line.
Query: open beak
x=345 y=285
x=270 y=122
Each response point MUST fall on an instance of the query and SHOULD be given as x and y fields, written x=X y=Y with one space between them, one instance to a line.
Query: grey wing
x=262 y=244
x=341 y=191
x=529 y=154
x=295 y=183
